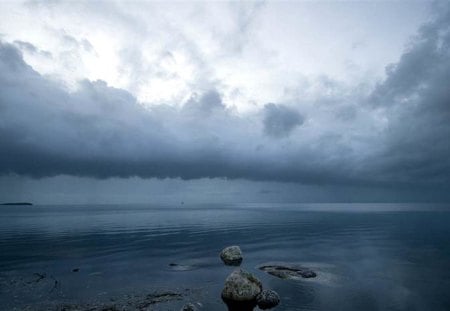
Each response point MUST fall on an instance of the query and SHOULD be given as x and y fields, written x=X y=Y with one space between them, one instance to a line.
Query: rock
x=154 y=300
x=188 y=307
x=287 y=270
x=231 y=255
x=157 y=297
x=267 y=299
x=162 y=296
x=241 y=286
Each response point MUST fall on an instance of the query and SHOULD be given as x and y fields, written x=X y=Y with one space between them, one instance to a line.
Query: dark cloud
x=416 y=98
x=26 y=46
x=30 y=48
x=207 y=103
x=99 y=131
x=280 y=121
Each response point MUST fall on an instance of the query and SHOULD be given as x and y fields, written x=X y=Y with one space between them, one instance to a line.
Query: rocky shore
x=242 y=290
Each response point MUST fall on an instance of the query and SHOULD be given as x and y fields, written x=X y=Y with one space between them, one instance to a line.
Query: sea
x=367 y=257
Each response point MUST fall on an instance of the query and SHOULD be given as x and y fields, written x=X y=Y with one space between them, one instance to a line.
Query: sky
x=137 y=102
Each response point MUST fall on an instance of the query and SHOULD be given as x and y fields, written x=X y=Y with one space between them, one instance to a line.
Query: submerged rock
x=231 y=255
x=267 y=299
x=287 y=270
x=241 y=286
x=188 y=307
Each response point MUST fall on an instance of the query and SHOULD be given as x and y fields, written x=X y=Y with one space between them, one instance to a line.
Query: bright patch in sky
x=252 y=52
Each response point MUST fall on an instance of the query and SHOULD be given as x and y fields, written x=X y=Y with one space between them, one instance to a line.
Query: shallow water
x=367 y=256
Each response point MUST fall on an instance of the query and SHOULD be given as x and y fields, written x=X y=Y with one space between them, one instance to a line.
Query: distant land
x=17 y=203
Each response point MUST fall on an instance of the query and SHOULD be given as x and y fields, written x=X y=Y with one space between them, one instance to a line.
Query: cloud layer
x=396 y=134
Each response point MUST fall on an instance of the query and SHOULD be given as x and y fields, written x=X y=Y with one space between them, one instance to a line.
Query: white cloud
x=253 y=53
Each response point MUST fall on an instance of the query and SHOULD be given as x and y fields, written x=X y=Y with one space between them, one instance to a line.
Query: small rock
x=241 y=286
x=188 y=307
x=267 y=299
x=231 y=255
x=76 y=270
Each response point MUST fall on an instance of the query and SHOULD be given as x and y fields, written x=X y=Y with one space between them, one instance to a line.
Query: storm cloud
x=396 y=134
x=280 y=121
x=415 y=97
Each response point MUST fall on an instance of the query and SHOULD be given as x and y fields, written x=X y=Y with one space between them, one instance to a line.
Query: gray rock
x=267 y=299
x=188 y=307
x=241 y=286
x=231 y=255
x=287 y=270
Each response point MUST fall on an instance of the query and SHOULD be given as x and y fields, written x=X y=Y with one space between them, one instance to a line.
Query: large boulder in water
x=231 y=255
x=241 y=286
x=267 y=299
x=287 y=270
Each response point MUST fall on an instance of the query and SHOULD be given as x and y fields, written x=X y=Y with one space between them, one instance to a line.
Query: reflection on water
x=368 y=257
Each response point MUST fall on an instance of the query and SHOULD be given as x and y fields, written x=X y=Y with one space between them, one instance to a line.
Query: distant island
x=17 y=203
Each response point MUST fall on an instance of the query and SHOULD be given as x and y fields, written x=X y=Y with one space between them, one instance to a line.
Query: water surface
x=367 y=256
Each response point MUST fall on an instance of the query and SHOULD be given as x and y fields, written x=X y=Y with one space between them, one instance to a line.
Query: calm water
x=368 y=257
